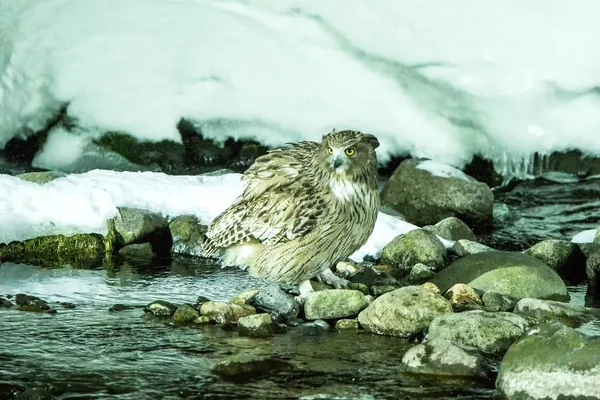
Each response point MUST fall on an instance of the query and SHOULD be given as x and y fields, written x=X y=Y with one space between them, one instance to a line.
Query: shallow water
x=89 y=352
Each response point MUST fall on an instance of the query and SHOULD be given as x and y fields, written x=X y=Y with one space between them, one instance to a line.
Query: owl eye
x=329 y=150
x=350 y=151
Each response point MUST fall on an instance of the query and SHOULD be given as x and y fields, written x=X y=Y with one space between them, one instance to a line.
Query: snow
x=443 y=170
x=83 y=203
x=440 y=80
x=586 y=236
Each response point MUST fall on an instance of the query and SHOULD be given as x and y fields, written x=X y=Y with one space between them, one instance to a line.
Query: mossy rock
x=411 y=248
x=41 y=177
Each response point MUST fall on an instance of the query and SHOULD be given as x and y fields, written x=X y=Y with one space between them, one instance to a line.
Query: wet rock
x=314 y=328
x=244 y=367
x=5 y=303
x=361 y=287
x=416 y=246
x=199 y=301
x=133 y=225
x=336 y=303
x=67 y=305
x=185 y=313
x=202 y=320
x=161 y=308
x=592 y=269
x=187 y=233
x=378 y=290
x=346 y=324
x=496 y=301
x=564 y=257
x=464 y=247
x=420 y=273
x=534 y=369
x=492 y=333
x=425 y=199
x=404 y=312
x=119 y=307
x=225 y=313
x=452 y=228
x=31 y=303
x=137 y=251
x=513 y=274
x=46 y=392
x=42 y=176
x=256 y=326
x=463 y=297
x=540 y=311
x=244 y=297
x=441 y=357
x=274 y=300
x=81 y=250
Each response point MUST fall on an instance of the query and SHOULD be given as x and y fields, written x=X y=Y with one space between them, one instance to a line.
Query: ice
x=83 y=203
x=439 y=80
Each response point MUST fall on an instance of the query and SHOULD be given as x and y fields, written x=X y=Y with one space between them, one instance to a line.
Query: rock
x=463 y=297
x=425 y=199
x=431 y=286
x=161 y=308
x=80 y=250
x=202 y=320
x=225 y=313
x=184 y=314
x=404 y=312
x=492 y=333
x=564 y=257
x=592 y=269
x=413 y=247
x=199 y=301
x=361 y=287
x=187 y=233
x=346 y=324
x=31 y=303
x=137 y=251
x=441 y=357
x=314 y=328
x=67 y=305
x=464 y=247
x=452 y=228
x=42 y=176
x=119 y=307
x=420 y=273
x=347 y=269
x=256 y=326
x=513 y=274
x=244 y=297
x=551 y=362
x=274 y=300
x=378 y=290
x=496 y=301
x=5 y=303
x=541 y=311
x=133 y=225
x=244 y=367
x=336 y=303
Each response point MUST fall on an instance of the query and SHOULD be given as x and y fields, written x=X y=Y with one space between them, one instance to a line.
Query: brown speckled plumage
x=303 y=209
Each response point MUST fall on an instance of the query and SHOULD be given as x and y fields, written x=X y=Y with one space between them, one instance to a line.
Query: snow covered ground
x=83 y=203
x=504 y=79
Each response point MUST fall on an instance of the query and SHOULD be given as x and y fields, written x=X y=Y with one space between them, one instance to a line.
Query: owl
x=303 y=209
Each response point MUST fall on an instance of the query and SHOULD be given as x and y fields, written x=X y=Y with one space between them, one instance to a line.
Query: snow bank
x=440 y=80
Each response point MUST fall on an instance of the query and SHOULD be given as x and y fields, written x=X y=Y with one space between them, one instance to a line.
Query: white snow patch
x=62 y=148
x=443 y=170
x=586 y=236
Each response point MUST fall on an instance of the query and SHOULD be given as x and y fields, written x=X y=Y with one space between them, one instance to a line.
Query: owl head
x=348 y=153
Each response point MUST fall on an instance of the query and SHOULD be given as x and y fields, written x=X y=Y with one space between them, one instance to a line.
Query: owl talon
x=330 y=278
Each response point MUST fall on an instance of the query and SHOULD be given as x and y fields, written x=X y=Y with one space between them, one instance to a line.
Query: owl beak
x=337 y=161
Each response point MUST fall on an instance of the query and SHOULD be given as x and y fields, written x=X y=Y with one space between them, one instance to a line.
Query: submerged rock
x=404 y=312
x=492 y=333
x=441 y=357
x=243 y=367
x=496 y=301
x=133 y=225
x=425 y=199
x=513 y=274
x=346 y=324
x=256 y=326
x=336 y=303
x=274 y=300
x=161 y=308
x=137 y=251
x=463 y=297
x=187 y=233
x=551 y=362
x=42 y=176
x=5 y=303
x=184 y=314
x=452 y=228
x=413 y=247
x=464 y=247
x=80 y=250
x=541 y=311
x=313 y=328
x=31 y=303
x=564 y=257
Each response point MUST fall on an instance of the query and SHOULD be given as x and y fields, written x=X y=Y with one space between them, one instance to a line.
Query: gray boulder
x=137 y=251
x=425 y=199
x=452 y=228
x=187 y=233
x=496 y=301
x=256 y=325
x=403 y=312
x=551 y=362
x=512 y=274
x=336 y=303
x=540 y=311
x=132 y=224
x=564 y=257
x=464 y=247
x=492 y=333
x=413 y=247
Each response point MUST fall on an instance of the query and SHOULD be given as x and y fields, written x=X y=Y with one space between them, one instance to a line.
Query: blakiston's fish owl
x=303 y=209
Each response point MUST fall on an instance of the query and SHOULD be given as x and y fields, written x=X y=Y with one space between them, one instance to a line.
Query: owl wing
x=278 y=203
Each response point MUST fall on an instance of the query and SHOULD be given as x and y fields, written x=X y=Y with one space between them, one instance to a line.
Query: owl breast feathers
x=303 y=209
